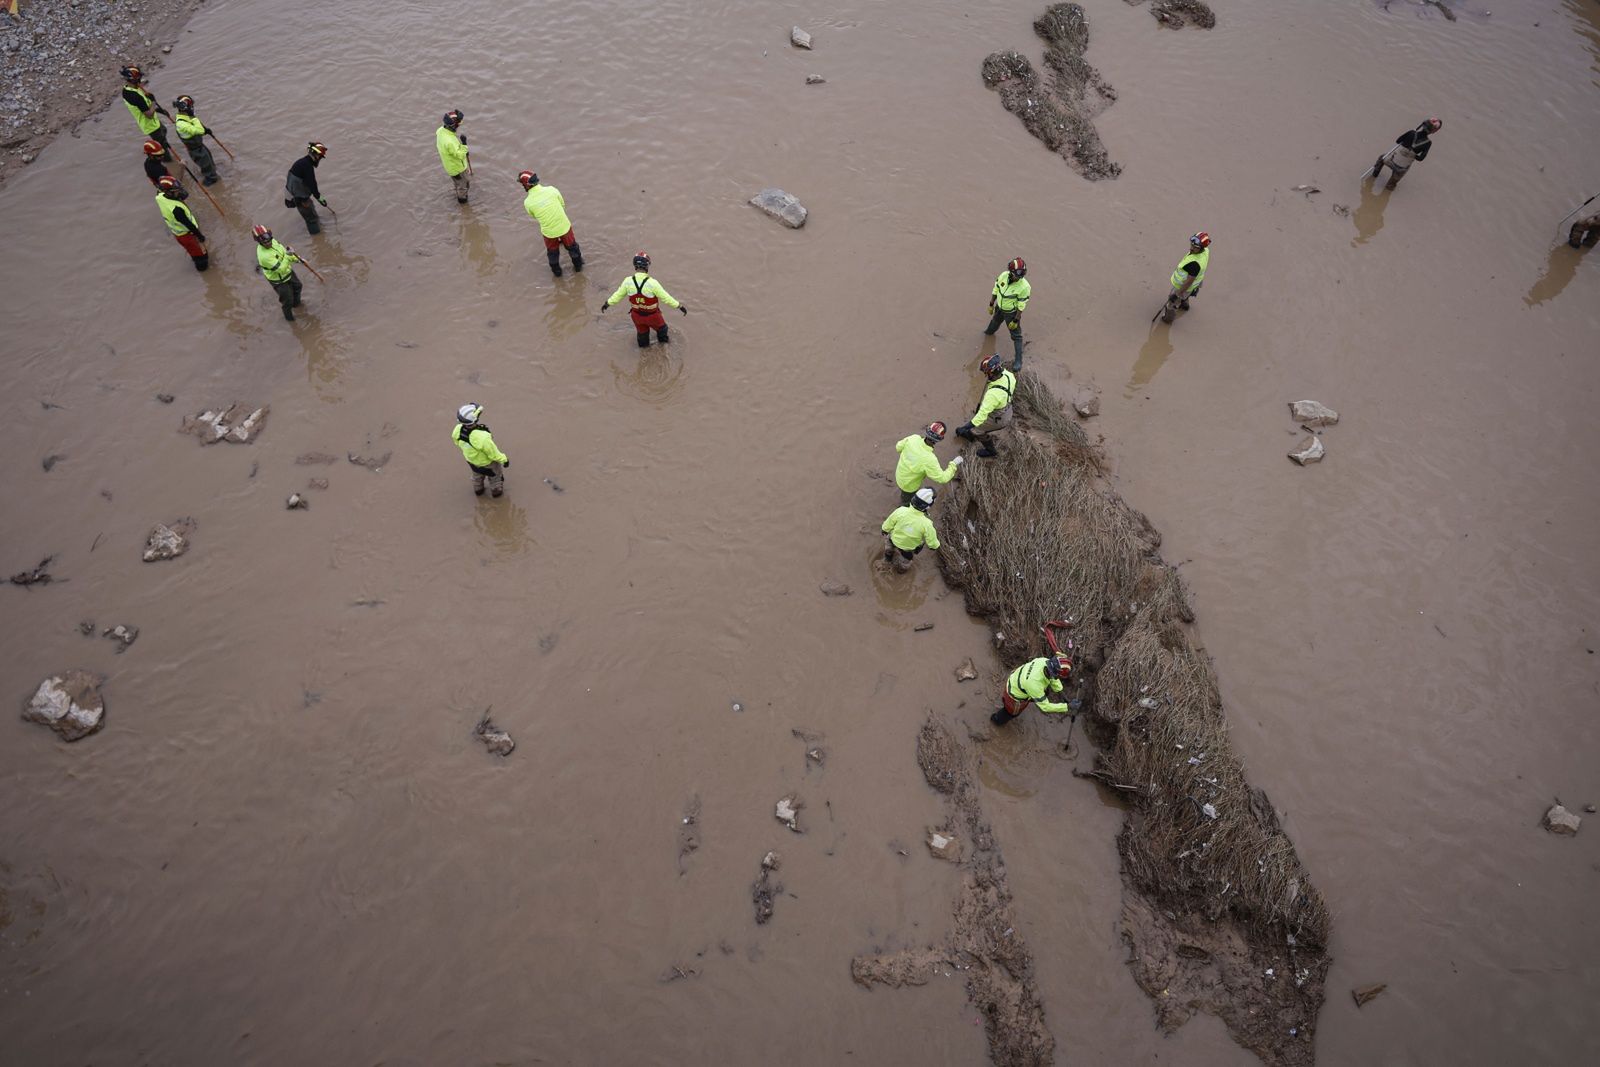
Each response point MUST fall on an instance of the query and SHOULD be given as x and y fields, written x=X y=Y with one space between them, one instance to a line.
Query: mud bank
x=1060 y=109
x=1219 y=914
x=59 y=65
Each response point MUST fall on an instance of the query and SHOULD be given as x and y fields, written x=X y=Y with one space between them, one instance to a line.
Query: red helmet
x=261 y=234
x=133 y=74
x=166 y=183
x=934 y=431
x=1201 y=240
x=527 y=178
x=154 y=148
x=452 y=119
x=1435 y=124
x=1017 y=267
x=991 y=367
x=317 y=148
x=1057 y=666
x=641 y=260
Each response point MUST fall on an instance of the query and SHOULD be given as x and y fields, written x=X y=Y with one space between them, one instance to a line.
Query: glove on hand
x=958 y=461
x=684 y=308
x=964 y=431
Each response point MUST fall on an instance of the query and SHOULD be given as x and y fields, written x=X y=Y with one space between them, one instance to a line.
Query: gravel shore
x=59 y=61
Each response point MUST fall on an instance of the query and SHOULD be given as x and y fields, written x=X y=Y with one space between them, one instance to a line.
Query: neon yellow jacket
x=651 y=287
x=189 y=128
x=1029 y=682
x=276 y=261
x=545 y=204
x=910 y=529
x=148 y=124
x=169 y=207
x=478 y=446
x=917 y=462
x=995 y=397
x=453 y=154
x=1011 y=295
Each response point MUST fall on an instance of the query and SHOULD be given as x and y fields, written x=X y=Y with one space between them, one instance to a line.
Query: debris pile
x=68 y=703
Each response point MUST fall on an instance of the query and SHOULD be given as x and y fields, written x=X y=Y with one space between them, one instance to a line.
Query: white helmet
x=924 y=498
x=468 y=413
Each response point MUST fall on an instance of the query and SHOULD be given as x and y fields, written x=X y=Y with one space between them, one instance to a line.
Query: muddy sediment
x=1219 y=913
x=984 y=942
x=1060 y=108
x=1176 y=14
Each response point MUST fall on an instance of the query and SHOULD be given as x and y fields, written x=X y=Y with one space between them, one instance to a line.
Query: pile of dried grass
x=1037 y=534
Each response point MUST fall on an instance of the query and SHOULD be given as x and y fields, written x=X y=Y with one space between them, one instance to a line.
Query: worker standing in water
x=1007 y=301
x=917 y=462
x=546 y=206
x=154 y=169
x=1034 y=683
x=277 y=261
x=910 y=530
x=452 y=145
x=1410 y=147
x=192 y=132
x=144 y=108
x=645 y=296
x=300 y=186
x=181 y=222
x=488 y=463
x=1190 y=273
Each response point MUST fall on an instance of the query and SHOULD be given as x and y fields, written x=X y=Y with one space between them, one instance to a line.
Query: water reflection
x=502 y=525
x=477 y=243
x=1586 y=20
x=567 y=311
x=1152 y=357
x=656 y=375
x=1558 y=274
x=323 y=347
x=900 y=593
x=1368 y=215
x=224 y=304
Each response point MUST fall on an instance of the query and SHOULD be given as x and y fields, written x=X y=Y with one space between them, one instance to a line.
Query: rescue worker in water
x=452 y=145
x=1034 y=683
x=546 y=206
x=917 y=462
x=488 y=463
x=1007 y=301
x=645 y=297
x=192 y=132
x=276 y=261
x=1190 y=273
x=994 y=415
x=1410 y=147
x=144 y=109
x=181 y=222
x=910 y=530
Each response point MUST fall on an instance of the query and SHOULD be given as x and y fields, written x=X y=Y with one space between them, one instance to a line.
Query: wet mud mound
x=1058 y=109
x=984 y=943
x=1219 y=914
x=1176 y=14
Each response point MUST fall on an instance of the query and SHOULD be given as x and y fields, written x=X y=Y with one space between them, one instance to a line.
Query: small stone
x=922 y=627
x=1309 y=451
x=371 y=462
x=86 y=627
x=125 y=635
x=496 y=740
x=165 y=398
x=815 y=79
x=787 y=812
x=800 y=38
x=1559 y=820
x=967 y=671
x=317 y=483
x=1086 y=403
x=1589 y=808
x=781 y=206
x=296 y=502
x=306 y=459
x=944 y=845
x=168 y=542
x=1312 y=413
x=27 y=157
x=69 y=703
x=166 y=49
x=832 y=588
x=51 y=460
x=771 y=861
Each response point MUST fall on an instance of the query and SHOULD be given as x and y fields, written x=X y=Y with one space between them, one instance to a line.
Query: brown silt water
x=287 y=846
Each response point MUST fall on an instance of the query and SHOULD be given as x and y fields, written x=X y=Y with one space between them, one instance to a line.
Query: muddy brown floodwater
x=287 y=846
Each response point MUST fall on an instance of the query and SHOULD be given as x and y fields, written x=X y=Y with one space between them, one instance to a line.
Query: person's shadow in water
x=1152 y=357
x=1558 y=274
x=1368 y=215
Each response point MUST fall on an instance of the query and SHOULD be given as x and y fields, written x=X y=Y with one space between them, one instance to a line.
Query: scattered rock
x=1086 y=402
x=1342 y=210
x=168 y=542
x=800 y=38
x=306 y=459
x=37 y=576
x=317 y=483
x=1312 y=413
x=677 y=971
x=788 y=812
x=371 y=462
x=1559 y=820
x=165 y=398
x=51 y=460
x=1365 y=993
x=1589 y=808
x=832 y=588
x=1308 y=190
x=296 y=502
x=1310 y=451
x=764 y=889
x=1176 y=14
x=922 y=627
x=967 y=671
x=166 y=49
x=496 y=740
x=815 y=79
x=69 y=703
x=555 y=486
x=124 y=635
x=781 y=206
x=945 y=845
x=689 y=831
x=86 y=627
x=771 y=861
x=233 y=423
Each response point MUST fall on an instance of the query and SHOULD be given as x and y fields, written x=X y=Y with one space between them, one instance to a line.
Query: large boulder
x=69 y=703
x=782 y=206
x=1558 y=820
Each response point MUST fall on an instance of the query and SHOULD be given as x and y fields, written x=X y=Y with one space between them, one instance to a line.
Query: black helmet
x=452 y=119
x=641 y=261
x=184 y=104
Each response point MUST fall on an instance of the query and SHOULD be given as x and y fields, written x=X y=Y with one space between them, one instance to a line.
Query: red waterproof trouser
x=647 y=320
x=1014 y=707
x=552 y=243
x=191 y=244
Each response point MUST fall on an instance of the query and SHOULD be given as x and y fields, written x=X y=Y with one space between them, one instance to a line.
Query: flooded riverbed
x=286 y=846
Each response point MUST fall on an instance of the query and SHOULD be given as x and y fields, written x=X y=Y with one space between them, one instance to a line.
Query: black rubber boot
x=664 y=336
x=1183 y=305
x=988 y=450
x=577 y=258
x=1016 y=362
x=288 y=314
x=1001 y=718
x=1377 y=168
x=643 y=339
x=554 y=257
x=202 y=262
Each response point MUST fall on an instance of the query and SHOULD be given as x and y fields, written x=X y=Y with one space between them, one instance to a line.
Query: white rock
x=967 y=671
x=1312 y=413
x=1310 y=451
x=1557 y=820
x=1086 y=403
x=944 y=845
x=168 y=542
x=234 y=423
x=69 y=703
x=781 y=206
x=800 y=38
x=496 y=740
x=815 y=79
x=788 y=812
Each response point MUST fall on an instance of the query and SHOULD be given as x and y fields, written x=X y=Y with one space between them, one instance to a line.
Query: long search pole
x=220 y=145
x=199 y=185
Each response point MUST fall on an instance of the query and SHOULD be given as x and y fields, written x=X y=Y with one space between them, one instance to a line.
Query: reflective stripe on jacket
x=917 y=462
x=1011 y=295
x=478 y=446
x=1029 y=682
x=910 y=529
x=276 y=261
x=1180 y=275
x=189 y=128
x=545 y=204
x=995 y=397
x=642 y=295
x=148 y=124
